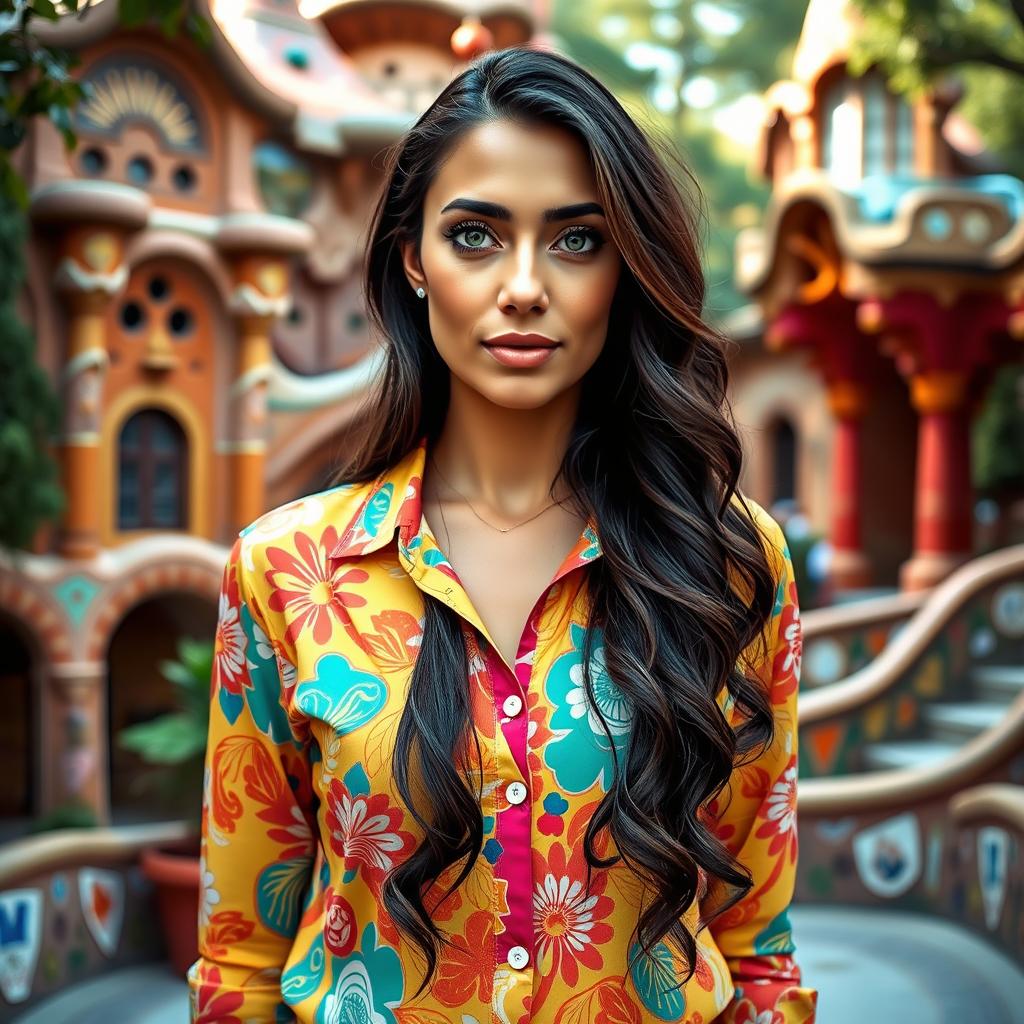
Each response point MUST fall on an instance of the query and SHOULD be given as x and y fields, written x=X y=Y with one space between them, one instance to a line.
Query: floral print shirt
x=319 y=625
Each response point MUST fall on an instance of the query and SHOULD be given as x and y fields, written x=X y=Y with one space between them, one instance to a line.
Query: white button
x=512 y=706
x=516 y=793
x=518 y=957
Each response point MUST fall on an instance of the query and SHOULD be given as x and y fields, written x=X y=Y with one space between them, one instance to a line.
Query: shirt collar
x=394 y=502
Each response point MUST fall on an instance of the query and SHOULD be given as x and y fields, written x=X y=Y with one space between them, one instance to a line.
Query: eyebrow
x=499 y=212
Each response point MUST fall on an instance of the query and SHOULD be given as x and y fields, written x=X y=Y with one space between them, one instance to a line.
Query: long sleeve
x=258 y=818
x=758 y=825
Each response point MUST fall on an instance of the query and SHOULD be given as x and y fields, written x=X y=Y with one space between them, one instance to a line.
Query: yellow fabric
x=319 y=626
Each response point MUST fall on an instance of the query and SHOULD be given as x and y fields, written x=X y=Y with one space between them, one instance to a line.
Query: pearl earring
x=420 y=292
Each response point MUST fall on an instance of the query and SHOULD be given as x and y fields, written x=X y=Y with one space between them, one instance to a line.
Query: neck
x=503 y=460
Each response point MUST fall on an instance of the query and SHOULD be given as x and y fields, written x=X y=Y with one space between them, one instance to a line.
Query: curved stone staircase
x=947 y=725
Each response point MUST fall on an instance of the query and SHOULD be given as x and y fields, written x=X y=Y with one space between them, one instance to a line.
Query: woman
x=504 y=723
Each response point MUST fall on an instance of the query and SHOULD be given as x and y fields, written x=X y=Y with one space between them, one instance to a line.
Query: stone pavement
x=870 y=967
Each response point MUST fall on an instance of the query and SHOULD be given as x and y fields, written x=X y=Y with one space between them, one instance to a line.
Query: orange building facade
x=193 y=284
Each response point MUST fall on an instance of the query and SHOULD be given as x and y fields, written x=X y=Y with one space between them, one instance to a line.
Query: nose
x=524 y=289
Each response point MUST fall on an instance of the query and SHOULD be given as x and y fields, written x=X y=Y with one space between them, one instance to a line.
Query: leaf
x=169 y=739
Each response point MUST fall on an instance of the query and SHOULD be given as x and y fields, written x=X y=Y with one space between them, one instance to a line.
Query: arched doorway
x=18 y=731
x=138 y=691
x=782 y=442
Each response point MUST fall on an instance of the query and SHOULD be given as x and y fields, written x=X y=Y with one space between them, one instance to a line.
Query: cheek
x=588 y=304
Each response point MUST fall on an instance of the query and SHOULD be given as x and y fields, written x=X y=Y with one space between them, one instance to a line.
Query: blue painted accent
x=878 y=195
x=492 y=851
x=76 y=594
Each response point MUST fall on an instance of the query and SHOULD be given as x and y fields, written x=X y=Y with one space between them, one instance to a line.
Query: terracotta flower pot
x=174 y=870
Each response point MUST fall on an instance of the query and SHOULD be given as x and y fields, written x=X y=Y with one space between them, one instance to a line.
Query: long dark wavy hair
x=654 y=457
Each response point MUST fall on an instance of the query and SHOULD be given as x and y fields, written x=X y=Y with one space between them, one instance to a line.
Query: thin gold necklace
x=500 y=529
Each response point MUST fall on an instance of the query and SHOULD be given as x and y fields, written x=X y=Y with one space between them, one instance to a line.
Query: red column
x=944 y=499
x=847 y=401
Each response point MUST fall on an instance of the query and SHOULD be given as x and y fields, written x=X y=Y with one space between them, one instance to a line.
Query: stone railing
x=74 y=904
x=970 y=621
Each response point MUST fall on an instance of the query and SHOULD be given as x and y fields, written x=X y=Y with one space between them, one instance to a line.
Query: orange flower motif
x=313 y=595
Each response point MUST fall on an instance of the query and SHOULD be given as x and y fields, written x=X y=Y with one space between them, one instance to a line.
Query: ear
x=411 y=263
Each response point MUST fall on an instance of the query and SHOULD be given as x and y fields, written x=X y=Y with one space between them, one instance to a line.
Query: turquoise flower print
x=265 y=671
x=279 y=892
x=654 y=977
x=302 y=979
x=344 y=697
x=777 y=938
x=580 y=753
x=366 y=985
x=374 y=514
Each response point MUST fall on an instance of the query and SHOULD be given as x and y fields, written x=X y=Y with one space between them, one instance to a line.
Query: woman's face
x=499 y=254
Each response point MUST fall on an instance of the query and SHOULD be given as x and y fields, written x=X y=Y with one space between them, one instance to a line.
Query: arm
x=758 y=825
x=258 y=820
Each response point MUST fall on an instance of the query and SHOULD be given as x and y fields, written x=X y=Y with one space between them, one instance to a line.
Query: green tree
x=677 y=67
x=998 y=438
x=918 y=42
x=36 y=80
x=30 y=493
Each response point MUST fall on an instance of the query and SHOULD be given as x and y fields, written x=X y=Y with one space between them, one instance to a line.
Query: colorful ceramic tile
x=20 y=933
x=102 y=896
x=888 y=855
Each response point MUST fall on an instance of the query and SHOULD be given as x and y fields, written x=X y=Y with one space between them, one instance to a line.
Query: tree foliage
x=37 y=80
x=980 y=42
x=649 y=54
x=30 y=493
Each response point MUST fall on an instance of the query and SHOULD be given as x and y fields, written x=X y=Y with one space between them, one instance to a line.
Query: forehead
x=525 y=167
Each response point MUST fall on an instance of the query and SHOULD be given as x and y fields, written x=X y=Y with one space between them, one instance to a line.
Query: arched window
x=783 y=454
x=152 y=473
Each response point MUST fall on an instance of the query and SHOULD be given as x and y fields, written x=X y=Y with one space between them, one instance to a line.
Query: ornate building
x=889 y=277
x=194 y=288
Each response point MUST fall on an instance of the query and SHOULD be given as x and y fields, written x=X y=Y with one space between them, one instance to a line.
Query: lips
x=520 y=341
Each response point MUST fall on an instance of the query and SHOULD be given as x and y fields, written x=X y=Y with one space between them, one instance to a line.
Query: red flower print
x=365 y=830
x=605 y=1002
x=779 y=812
x=786 y=666
x=211 y=1008
x=229 y=644
x=226 y=928
x=747 y=1013
x=339 y=925
x=465 y=970
x=313 y=595
x=566 y=919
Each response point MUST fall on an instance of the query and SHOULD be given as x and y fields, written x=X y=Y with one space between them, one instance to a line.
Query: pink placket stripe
x=513 y=827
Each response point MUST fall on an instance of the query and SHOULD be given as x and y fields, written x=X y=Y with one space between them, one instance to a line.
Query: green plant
x=175 y=743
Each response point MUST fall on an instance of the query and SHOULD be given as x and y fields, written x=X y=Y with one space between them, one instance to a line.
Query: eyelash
x=578 y=229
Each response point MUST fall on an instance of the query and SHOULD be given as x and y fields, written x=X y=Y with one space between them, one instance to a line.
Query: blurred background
x=184 y=193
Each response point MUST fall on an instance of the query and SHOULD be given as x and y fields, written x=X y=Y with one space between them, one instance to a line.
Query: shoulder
x=777 y=547
x=304 y=528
